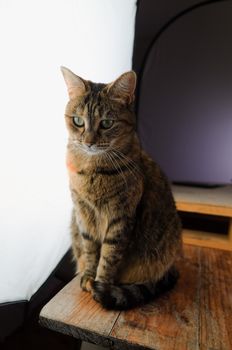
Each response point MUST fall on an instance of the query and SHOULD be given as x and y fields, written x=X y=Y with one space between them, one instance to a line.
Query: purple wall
x=185 y=100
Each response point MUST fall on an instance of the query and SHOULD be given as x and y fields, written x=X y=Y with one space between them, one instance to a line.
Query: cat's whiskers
x=129 y=163
x=94 y=151
x=117 y=167
x=126 y=165
x=107 y=160
x=130 y=166
x=76 y=144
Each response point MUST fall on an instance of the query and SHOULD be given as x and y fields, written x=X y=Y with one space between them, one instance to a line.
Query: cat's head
x=100 y=117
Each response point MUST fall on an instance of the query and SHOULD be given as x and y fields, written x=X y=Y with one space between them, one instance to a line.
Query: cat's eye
x=78 y=121
x=106 y=123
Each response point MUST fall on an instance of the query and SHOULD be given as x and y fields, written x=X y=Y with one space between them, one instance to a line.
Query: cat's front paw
x=86 y=282
x=105 y=280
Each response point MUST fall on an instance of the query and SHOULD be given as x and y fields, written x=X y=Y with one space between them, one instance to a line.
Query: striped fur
x=125 y=228
x=127 y=296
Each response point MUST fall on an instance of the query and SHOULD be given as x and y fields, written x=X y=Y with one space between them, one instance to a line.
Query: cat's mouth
x=94 y=149
x=90 y=149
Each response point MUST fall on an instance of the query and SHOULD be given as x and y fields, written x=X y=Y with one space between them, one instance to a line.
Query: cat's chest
x=91 y=218
x=94 y=187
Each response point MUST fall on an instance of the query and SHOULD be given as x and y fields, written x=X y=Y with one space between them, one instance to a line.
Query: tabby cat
x=126 y=233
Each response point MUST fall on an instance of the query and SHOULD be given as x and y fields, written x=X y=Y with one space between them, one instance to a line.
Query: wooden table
x=197 y=314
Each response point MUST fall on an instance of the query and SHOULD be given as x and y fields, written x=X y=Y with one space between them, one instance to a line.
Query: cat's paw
x=86 y=282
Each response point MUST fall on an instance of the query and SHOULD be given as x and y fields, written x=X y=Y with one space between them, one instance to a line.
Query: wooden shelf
x=209 y=201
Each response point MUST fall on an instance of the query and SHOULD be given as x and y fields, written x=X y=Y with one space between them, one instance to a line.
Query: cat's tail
x=127 y=296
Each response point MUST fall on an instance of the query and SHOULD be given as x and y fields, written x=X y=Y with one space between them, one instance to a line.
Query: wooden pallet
x=209 y=201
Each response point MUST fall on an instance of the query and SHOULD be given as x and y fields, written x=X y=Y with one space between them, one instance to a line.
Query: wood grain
x=207 y=239
x=170 y=322
x=195 y=315
x=216 y=300
x=75 y=313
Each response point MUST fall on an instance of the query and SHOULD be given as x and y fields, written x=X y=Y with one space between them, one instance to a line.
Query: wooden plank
x=207 y=239
x=74 y=312
x=170 y=322
x=214 y=201
x=204 y=209
x=216 y=300
x=196 y=315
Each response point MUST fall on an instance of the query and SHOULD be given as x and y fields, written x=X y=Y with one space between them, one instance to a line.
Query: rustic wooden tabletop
x=196 y=314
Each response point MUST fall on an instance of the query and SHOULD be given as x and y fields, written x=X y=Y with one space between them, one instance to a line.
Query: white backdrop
x=94 y=38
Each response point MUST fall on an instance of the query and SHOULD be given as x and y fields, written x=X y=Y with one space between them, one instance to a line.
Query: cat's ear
x=76 y=86
x=123 y=88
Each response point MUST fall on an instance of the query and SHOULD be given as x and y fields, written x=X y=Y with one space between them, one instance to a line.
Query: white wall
x=94 y=38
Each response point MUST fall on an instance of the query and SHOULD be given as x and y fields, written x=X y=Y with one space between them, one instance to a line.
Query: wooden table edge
x=82 y=334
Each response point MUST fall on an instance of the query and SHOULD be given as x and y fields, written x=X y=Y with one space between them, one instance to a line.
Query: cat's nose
x=89 y=139
x=89 y=144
